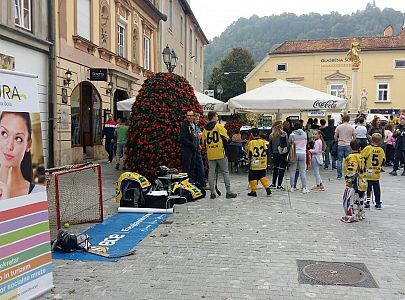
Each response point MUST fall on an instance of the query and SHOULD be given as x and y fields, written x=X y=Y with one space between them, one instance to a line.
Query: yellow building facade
x=104 y=49
x=323 y=65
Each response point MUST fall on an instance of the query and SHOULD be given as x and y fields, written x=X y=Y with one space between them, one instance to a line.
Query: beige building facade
x=323 y=65
x=182 y=33
x=104 y=51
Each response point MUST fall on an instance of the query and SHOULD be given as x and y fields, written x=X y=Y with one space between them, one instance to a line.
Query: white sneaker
x=292 y=190
x=305 y=191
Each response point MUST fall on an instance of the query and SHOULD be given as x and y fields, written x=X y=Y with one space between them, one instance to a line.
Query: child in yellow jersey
x=356 y=185
x=373 y=158
x=257 y=155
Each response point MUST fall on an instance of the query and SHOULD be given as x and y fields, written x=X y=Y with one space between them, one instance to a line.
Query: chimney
x=388 y=31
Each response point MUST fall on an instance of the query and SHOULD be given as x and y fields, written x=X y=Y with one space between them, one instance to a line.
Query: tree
x=238 y=63
x=157 y=114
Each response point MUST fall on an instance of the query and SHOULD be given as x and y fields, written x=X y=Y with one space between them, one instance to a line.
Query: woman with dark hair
x=15 y=155
x=278 y=148
x=376 y=128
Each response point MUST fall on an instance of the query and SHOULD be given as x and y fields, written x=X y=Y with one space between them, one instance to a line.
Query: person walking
x=317 y=159
x=278 y=147
x=188 y=142
x=121 y=134
x=298 y=140
x=215 y=138
x=399 y=134
x=328 y=133
x=343 y=135
x=108 y=134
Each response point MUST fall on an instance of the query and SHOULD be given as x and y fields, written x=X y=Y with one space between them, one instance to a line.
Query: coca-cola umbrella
x=207 y=103
x=282 y=96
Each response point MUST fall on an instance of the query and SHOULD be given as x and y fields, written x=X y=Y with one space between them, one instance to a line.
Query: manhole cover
x=334 y=273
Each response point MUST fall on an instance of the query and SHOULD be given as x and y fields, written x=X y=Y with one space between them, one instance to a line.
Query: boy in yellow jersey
x=214 y=138
x=373 y=158
x=356 y=185
x=257 y=155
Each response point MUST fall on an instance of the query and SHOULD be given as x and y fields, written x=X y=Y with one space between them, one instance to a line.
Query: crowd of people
x=358 y=152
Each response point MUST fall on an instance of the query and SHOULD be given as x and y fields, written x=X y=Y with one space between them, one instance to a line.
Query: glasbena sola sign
x=325 y=104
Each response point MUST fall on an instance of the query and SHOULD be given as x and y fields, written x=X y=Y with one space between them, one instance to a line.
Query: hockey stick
x=216 y=182
x=132 y=252
x=288 y=190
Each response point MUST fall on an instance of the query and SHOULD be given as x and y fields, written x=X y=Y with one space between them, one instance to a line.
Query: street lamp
x=169 y=58
x=220 y=91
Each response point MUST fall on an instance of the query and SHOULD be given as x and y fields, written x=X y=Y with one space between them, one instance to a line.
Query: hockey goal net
x=74 y=195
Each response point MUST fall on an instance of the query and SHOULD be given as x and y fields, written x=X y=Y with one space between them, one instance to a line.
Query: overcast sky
x=214 y=16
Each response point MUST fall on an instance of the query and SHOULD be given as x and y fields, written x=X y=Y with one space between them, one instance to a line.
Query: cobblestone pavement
x=246 y=248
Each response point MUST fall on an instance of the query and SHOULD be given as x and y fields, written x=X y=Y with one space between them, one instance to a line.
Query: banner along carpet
x=116 y=235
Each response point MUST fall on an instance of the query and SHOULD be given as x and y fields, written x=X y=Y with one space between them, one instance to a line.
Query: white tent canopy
x=283 y=96
x=207 y=103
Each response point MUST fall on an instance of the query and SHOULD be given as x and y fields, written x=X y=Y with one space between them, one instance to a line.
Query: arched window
x=86 y=117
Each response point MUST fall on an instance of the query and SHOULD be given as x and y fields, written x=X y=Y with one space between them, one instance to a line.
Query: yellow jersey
x=257 y=154
x=354 y=171
x=374 y=157
x=212 y=140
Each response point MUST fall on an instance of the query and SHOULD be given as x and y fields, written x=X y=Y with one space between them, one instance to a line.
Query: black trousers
x=399 y=157
x=188 y=157
x=109 y=147
x=390 y=154
x=280 y=163
x=374 y=185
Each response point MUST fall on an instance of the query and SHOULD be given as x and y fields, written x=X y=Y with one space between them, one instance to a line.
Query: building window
x=146 y=53
x=399 y=64
x=382 y=91
x=170 y=15
x=83 y=19
x=336 y=89
x=281 y=67
x=121 y=40
x=181 y=30
x=23 y=14
x=191 y=43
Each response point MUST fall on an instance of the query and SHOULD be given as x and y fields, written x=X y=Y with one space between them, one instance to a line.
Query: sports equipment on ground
x=74 y=195
x=216 y=182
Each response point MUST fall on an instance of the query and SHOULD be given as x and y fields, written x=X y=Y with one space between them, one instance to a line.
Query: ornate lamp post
x=169 y=58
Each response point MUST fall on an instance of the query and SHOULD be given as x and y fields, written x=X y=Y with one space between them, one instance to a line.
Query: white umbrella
x=370 y=117
x=283 y=96
x=207 y=103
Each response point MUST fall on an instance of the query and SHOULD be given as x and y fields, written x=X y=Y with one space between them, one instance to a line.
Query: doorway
x=119 y=95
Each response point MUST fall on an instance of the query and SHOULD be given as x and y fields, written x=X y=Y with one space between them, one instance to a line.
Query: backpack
x=69 y=242
x=131 y=189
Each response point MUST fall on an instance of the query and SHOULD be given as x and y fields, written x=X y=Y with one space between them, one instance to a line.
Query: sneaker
x=346 y=219
x=367 y=205
x=315 y=187
x=382 y=170
x=231 y=195
x=108 y=162
x=321 y=187
x=268 y=191
x=334 y=168
x=393 y=173
x=339 y=178
x=292 y=189
x=272 y=185
x=305 y=191
x=117 y=166
x=326 y=167
x=252 y=194
x=213 y=196
x=280 y=188
x=378 y=206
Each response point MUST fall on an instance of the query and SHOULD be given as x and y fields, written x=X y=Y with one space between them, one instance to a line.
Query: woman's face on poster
x=14 y=140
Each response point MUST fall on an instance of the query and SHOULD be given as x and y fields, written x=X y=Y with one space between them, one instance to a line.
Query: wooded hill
x=261 y=35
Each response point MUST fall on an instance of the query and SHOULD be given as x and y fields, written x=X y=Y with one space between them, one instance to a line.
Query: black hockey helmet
x=162 y=171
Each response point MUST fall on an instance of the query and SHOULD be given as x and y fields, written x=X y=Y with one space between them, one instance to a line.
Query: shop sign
x=335 y=60
x=98 y=74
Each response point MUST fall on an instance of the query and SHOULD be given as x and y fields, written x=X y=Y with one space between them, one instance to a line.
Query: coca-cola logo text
x=325 y=104
x=209 y=106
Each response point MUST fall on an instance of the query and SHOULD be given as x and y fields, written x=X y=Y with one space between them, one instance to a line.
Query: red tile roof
x=343 y=44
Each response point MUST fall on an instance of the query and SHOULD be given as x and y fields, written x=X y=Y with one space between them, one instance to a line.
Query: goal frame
x=100 y=191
